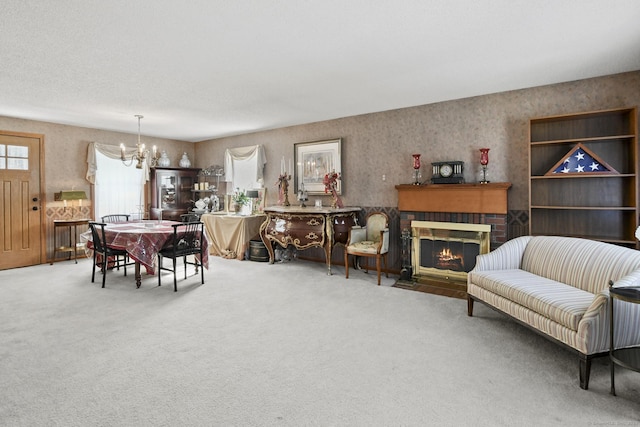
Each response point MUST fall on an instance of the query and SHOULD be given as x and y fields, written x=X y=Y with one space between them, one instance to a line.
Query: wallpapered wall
x=373 y=144
x=382 y=143
x=65 y=164
x=66 y=150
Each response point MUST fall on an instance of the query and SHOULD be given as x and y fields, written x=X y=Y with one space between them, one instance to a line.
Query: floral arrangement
x=330 y=186
x=240 y=197
x=331 y=181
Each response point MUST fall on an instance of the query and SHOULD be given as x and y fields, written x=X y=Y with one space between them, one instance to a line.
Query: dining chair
x=115 y=218
x=190 y=217
x=105 y=252
x=369 y=241
x=186 y=240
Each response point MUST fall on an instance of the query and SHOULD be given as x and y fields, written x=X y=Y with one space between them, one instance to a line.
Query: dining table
x=143 y=240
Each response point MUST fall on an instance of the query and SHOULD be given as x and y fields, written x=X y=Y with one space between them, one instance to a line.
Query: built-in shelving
x=600 y=206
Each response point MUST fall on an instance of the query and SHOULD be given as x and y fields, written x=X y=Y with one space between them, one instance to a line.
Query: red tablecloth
x=143 y=240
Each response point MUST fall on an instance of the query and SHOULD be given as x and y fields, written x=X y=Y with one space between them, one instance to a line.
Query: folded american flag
x=581 y=160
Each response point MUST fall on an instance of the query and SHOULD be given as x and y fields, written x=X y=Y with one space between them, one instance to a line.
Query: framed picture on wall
x=314 y=160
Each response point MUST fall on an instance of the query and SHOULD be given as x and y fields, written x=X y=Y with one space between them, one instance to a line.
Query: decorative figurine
x=484 y=161
x=283 y=189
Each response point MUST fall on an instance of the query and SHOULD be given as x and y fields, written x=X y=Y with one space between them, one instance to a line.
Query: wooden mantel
x=488 y=198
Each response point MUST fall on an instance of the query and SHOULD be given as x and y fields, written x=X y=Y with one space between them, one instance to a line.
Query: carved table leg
x=265 y=241
x=138 y=275
x=327 y=254
x=328 y=245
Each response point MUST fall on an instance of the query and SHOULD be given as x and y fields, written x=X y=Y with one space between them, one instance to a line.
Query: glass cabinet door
x=185 y=194
x=167 y=190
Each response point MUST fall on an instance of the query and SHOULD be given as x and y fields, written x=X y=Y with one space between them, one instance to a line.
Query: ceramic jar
x=164 y=160
x=184 y=161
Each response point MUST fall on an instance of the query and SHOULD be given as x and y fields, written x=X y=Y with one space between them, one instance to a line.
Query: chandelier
x=141 y=152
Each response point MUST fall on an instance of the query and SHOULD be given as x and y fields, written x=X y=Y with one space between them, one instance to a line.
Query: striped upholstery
x=559 y=285
x=585 y=264
x=561 y=303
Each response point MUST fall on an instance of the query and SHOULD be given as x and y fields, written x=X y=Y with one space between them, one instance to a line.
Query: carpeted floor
x=282 y=345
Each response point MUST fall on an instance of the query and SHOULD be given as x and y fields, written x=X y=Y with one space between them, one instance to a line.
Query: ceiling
x=202 y=69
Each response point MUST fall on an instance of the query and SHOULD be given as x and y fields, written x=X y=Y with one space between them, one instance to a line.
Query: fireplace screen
x=447 y=250
x=448 y=254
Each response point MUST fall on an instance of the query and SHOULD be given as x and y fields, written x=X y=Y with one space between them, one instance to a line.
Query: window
x=118 y=189
x=244 y=167
x=15 y=157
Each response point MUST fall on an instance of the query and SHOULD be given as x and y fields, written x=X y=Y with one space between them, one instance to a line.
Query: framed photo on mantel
x=314 y=160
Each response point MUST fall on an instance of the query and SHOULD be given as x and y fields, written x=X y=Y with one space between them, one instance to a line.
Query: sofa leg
x=585 y=370
x=469 y=306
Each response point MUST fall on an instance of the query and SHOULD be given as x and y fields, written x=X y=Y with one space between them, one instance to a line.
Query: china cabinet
x=172 y=192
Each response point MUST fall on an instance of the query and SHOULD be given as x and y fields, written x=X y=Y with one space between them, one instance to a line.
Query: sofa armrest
x=601 y=299
x=597 y=318
x=506 y=257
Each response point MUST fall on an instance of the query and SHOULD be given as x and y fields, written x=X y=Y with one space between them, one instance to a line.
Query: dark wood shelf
x=598 y=238
x=577 y=140
x=585 y=176
x=598 y=206
x=587 y=208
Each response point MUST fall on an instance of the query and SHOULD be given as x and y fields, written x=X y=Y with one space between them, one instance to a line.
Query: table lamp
x=72 y=196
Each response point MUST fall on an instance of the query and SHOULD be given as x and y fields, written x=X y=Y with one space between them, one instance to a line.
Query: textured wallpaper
x=382 y=143
x=66 y=151
x=375 y=144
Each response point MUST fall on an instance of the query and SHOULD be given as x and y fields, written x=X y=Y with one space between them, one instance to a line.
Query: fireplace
x=444 y=252
x=481 y=211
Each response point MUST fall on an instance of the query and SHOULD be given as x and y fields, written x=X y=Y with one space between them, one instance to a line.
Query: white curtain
x=244 y=167
x=112 y=152
x=119 y=189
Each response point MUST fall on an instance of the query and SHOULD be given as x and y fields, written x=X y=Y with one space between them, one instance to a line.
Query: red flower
x=330 y=181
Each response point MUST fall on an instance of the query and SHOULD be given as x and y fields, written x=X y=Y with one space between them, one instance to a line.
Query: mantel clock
x=450 y=172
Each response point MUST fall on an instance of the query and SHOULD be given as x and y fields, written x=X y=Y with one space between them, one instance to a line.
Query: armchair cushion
x=366 y=246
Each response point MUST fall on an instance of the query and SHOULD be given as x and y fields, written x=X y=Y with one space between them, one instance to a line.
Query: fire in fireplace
x=447 y=251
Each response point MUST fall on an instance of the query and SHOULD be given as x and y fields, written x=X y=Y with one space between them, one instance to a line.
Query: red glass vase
x=416 y=161
x=484 y=156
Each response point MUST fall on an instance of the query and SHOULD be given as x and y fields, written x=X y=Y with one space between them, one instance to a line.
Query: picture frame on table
x=314 y=160
x=259 y=203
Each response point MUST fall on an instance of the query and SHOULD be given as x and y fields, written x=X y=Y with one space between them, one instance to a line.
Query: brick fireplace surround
x=460 y=203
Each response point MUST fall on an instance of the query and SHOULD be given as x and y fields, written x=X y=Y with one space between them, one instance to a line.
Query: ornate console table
x=307 y=228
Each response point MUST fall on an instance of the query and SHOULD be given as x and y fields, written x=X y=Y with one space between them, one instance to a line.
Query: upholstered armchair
x=369 y=241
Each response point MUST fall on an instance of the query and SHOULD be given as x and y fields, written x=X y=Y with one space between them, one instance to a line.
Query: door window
x=14 y=157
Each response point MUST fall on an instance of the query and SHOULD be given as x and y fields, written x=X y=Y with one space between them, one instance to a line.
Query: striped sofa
x=559 y=287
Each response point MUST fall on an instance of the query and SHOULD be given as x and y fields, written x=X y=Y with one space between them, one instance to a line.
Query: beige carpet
x=282 y=345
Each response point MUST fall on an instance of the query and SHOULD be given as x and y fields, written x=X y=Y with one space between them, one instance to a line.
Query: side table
x=73 y=246
x=628 y=358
